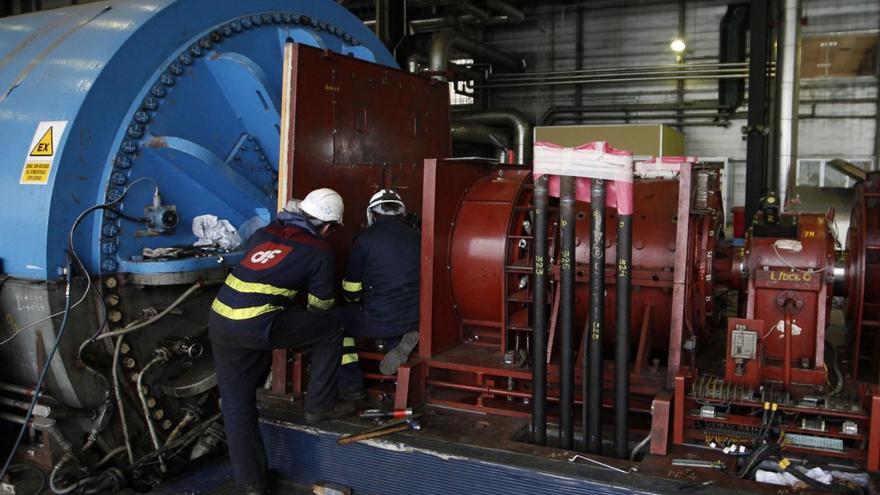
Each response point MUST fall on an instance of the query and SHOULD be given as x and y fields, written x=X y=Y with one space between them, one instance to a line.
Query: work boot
x=397 y=356
x=342 y=409
x=352 y=394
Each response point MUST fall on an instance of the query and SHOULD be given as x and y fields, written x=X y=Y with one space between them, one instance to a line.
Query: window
x=818 y=172
x=461 y=92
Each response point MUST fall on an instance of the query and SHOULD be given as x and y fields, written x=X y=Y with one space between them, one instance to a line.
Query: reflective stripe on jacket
x=281 y=261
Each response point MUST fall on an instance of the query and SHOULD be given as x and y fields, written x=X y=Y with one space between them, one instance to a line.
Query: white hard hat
x=324 y=204
x=380 y=202
x=384 y=197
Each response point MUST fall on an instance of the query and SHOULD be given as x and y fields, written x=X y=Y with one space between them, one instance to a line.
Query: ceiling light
x=677 y=45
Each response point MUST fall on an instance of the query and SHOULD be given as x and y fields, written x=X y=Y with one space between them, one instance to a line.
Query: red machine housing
x=789 y=288
x=477 y=262
x=863 y=279
x=479 y=297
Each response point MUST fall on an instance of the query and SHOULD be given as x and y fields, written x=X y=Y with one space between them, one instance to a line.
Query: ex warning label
x=42 y=153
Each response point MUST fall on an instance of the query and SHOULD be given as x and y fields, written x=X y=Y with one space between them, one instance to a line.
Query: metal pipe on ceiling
x=480 y=134
x=633 y=68
x=444 y=41
x=507 y=15
x=612 y=80
x=552 y=112
x=460 y=72
x=513 y=119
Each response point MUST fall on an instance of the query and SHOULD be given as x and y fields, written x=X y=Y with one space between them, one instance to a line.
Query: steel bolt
x=135 y=131
x=151 y=401
x=167 y=79
x=129 y=146
x=111 y=299
x=150 y=103
x=129 y=363
x=123 y=162
x=114 y=193
x=142 y=117
x=167 y=424
x=157 y=91
x=108 y=247
x=110 y=230
x=118 y=178
x=110 y=283
x=158 y=414
x=125 y=348
x=175 y=68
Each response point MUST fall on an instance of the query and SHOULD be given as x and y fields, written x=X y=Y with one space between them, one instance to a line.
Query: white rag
x=212 y=231
x=787 y=479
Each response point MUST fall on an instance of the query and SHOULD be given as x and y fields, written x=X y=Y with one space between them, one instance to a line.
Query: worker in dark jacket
x=254 y=313
x=382 y=286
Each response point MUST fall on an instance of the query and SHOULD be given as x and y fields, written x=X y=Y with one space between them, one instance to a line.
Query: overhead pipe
x=566 y=311
x=415 y=60
x=481 y=134
x=539 y=313
x=549 y=116
x=757 y=126
x=620 y=79
x=787 y=80
x=444 y=41
x=594 y=362
x=514 y=119
x=507 y=15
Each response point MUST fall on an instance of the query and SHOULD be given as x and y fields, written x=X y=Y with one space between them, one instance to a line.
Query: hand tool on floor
x=382 y=430
x=393 y=414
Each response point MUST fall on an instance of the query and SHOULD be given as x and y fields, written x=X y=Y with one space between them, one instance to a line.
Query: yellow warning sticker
x=42 y=153
x=36 y=173
x=45 y=146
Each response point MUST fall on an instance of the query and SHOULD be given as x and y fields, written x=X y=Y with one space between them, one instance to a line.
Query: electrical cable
x=639 y=447
x=119 y=405
x=792 y=267
x=138 y=325
x=161 y=358
x=66 y=314
x=43 y=373
x=76 y=258
x=109 y=457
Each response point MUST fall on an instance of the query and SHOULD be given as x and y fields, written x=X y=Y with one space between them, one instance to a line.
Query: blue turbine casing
x=184 y=92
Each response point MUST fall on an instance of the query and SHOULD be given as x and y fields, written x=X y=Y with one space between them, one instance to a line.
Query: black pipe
x=566 y=311
x=622 y=352
x=539 y=314
x=757 y=128
x=597 y=316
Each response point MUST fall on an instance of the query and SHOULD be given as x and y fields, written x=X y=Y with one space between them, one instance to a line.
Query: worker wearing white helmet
x=256 y=311
x=382 y=286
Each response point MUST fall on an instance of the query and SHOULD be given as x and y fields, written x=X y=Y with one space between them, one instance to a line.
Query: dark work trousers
x=358 y=323
x=242 y=363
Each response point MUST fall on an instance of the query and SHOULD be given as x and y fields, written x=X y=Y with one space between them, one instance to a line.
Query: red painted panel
x=357 y=127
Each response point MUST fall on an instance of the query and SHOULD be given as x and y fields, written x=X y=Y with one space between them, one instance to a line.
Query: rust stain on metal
x=157 y=142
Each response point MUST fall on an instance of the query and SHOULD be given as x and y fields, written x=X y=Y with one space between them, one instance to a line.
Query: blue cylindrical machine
x=184 y=92
x=178 y=100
